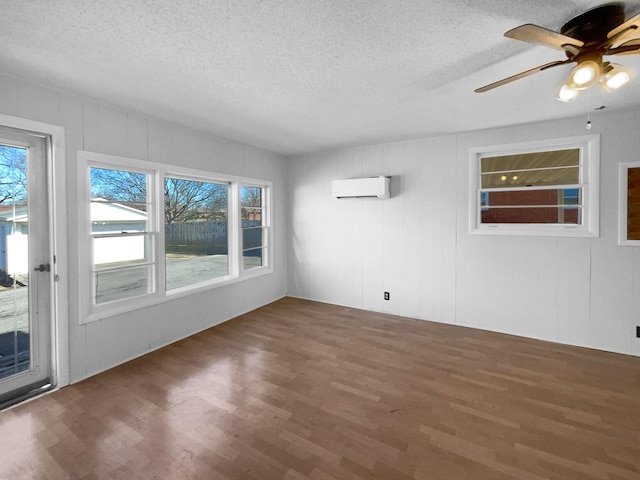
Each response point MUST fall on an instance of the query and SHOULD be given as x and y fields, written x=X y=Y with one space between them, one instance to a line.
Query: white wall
x=416 y=245
x=101 y=128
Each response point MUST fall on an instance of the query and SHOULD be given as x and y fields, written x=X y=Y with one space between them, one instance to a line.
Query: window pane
x=120 y=250
x=109 y=217
x=532 y=178
x=254 y=228
x=121 y=246
x=567 y=196
x=196 y=241
x=252 y=259
x=15 y=334
x=526 y=161
x=253 y=215
x=121 y=267
x=121 y=283
x=251 y=237
x=119 y=187
x=571 y=196
x=521 y=206
x=250 y=197
x=555 y=215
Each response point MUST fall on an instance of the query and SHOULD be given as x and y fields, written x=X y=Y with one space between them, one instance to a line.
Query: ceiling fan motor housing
x=593 y=25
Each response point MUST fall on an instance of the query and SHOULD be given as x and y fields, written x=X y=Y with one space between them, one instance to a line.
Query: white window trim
x=589 y=146
x=158 y=171
x=623 y=182
x=266 y=215
x=58 y=208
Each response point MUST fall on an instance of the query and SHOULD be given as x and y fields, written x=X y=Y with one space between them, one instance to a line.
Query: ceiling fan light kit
x=566 y=93
x=584 y=75
x=585 y=40
x=615 y=76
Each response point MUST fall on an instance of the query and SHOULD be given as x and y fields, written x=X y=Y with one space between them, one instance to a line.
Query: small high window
x=547 y=188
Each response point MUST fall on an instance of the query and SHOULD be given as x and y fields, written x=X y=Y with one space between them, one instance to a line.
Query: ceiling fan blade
x=627 y=48
x=624 y=30
x=542 y=36
x=520 y=75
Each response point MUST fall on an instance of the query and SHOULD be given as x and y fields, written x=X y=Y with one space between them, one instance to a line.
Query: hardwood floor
x=302 y=390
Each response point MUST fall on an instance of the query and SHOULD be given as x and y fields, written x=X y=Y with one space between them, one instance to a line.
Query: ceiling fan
x=585 y=39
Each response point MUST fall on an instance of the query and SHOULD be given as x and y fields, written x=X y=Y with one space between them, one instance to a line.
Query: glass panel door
x=25 y=270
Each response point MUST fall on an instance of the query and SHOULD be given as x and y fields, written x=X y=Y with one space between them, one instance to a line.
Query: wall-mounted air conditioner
x=362 y=187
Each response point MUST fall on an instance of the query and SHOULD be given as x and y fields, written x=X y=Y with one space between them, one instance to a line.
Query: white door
x=25 y=265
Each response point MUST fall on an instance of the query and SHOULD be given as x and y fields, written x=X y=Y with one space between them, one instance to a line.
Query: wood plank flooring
x=302 y=390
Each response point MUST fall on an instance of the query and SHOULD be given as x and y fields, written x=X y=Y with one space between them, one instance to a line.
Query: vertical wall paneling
x=565 y=280
x=343 y=213
x=426 y=211
x=548 y=291
x=446 y=148
x=354 y=242
x=503 y=286
x=374 y=254
x=93 y=126
x=397 y=268
x=112 y=131
x=635 y=295
x=137 y=137
x=409 y=187
x=96 y=346
x=580 y=257
x=325 y=241
x=42 y=103
x=618 y=300
x=10 y=95
x=526 y=287
x=581 y=291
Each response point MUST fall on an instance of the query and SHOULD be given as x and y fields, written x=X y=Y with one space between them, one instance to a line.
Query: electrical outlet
x=386 y=297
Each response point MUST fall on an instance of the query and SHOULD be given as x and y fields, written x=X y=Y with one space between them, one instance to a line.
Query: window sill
x=535 y=230
x=151 y=300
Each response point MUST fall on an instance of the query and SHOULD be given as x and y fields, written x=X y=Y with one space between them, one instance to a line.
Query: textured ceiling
x=301 y=76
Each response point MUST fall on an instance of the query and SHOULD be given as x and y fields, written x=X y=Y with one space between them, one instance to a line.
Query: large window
x=122 y=264
x=153 y=231
x=547 y=188
x=196 y=243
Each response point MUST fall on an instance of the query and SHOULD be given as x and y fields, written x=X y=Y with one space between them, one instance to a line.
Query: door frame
x=56 y=170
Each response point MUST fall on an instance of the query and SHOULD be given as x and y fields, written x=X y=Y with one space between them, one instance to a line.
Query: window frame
x=265 y=226
x=589 y=165
x=199 y=177
x=149 y=236
x=156 y=174
x=623 y=186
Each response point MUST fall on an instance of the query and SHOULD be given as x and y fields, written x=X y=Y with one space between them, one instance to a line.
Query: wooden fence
x=205 y=238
